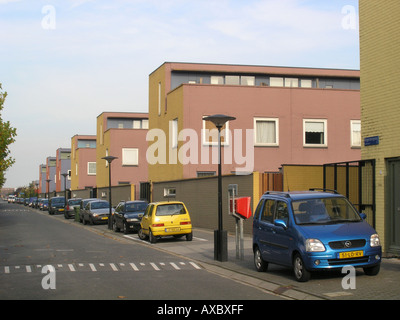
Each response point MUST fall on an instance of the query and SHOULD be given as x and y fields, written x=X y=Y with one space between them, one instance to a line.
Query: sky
x=64 y=62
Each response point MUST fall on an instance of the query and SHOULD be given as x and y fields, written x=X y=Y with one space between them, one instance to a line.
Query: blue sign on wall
x=371 y=141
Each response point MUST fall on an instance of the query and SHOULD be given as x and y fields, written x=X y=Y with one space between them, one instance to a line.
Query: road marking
x=91 y=265
x=134 y=266
x=112 y=265
x=175 y=266
x=71 y=267
x=154 y=266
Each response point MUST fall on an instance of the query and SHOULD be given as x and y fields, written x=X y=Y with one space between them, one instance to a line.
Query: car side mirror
x=363 y=216
x=280 y=223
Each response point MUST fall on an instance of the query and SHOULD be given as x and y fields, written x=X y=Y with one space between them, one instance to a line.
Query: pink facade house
x=83 y=162
x=122 y=135
x=283 y=116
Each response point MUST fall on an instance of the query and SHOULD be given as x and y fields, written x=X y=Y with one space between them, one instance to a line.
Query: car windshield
x=58 y=200
x=100 y=205
x=324 y=211
x=132 y=207
x=170 y=209
x=74 y=202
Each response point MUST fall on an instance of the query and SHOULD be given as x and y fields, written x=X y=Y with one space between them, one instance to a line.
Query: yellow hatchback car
x=163 y=219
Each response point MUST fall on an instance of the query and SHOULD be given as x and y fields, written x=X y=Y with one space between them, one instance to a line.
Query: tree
x=7 y=137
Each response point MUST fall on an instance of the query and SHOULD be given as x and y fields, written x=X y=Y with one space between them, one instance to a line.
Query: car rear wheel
x=260 y=264
x=115 y=228
x=152 y=238
x=189 y=236
x=300 y=272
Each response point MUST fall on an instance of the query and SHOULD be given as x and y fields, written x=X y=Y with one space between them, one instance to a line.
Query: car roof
x=166 y=202
x=303 y=195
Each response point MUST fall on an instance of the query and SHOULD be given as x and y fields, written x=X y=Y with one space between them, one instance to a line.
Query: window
x=130 y=156
x=355 y=126
x=159 y=98
x=315 y=133
x=217 y=80
x=169 y=192
x=276 y=82
x=91 y=168
x=267 y=214
x=232 y=80
x=266 y=132
x=306 y=83
x=137 y=124
x=291 y=82
x=145 y=124
x=205 y=174
x=174 y=134
x=210 y=134
x=247 y=80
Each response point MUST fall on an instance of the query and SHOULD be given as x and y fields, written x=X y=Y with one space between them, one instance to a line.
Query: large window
x=266 y=132
x=130 y=156
x=315 y=133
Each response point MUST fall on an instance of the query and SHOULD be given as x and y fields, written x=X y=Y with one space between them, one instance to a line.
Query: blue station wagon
x=313 y=230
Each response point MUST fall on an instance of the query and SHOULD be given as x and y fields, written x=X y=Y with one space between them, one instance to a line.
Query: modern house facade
x=42 y=179
x=283 y=116
x=83 y=162
x=51 y=175
x=380 y=98
x=122 y=135
x=63 y=166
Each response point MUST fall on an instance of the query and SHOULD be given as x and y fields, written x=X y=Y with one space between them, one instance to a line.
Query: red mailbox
x=242 y=207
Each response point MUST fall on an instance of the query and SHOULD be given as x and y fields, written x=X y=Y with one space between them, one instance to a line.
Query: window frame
x=266 y=144
x=352 y=123
x=316 y=145
x=129 y=163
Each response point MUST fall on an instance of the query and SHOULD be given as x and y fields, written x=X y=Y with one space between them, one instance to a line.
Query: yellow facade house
x=380 y=111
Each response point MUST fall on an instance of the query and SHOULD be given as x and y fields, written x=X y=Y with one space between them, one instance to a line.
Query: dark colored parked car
x=56 y=205
x=96 y=212
x=44 y=204
x=70 y=209
x=127 y=215
x=311 y=231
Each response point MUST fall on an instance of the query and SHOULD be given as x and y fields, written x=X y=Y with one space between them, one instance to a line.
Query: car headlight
x=314 y=245
x=374 y=240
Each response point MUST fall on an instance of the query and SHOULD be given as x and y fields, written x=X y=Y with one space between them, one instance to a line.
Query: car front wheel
x=300 y=272
x=141 y=234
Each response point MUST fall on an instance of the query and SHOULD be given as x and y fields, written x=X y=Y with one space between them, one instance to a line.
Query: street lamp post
x=65 y=189
x=48 y=188
x=220 y=235
x=109 y=159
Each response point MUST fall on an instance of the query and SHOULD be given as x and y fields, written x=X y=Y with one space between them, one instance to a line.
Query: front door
x=394 y=205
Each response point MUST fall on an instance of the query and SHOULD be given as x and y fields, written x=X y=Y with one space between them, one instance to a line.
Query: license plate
x=104 y=218
x=351 y=254
x=61 y=209
x=172 y=229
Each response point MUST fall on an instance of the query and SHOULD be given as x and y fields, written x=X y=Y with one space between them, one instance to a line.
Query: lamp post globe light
x=220 y=235
x=109 y=159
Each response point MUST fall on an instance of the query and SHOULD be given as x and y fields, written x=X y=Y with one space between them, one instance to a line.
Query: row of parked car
x=308 y=231
x=150 y=221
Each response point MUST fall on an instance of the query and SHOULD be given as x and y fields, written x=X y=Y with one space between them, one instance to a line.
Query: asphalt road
x=90 y=265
